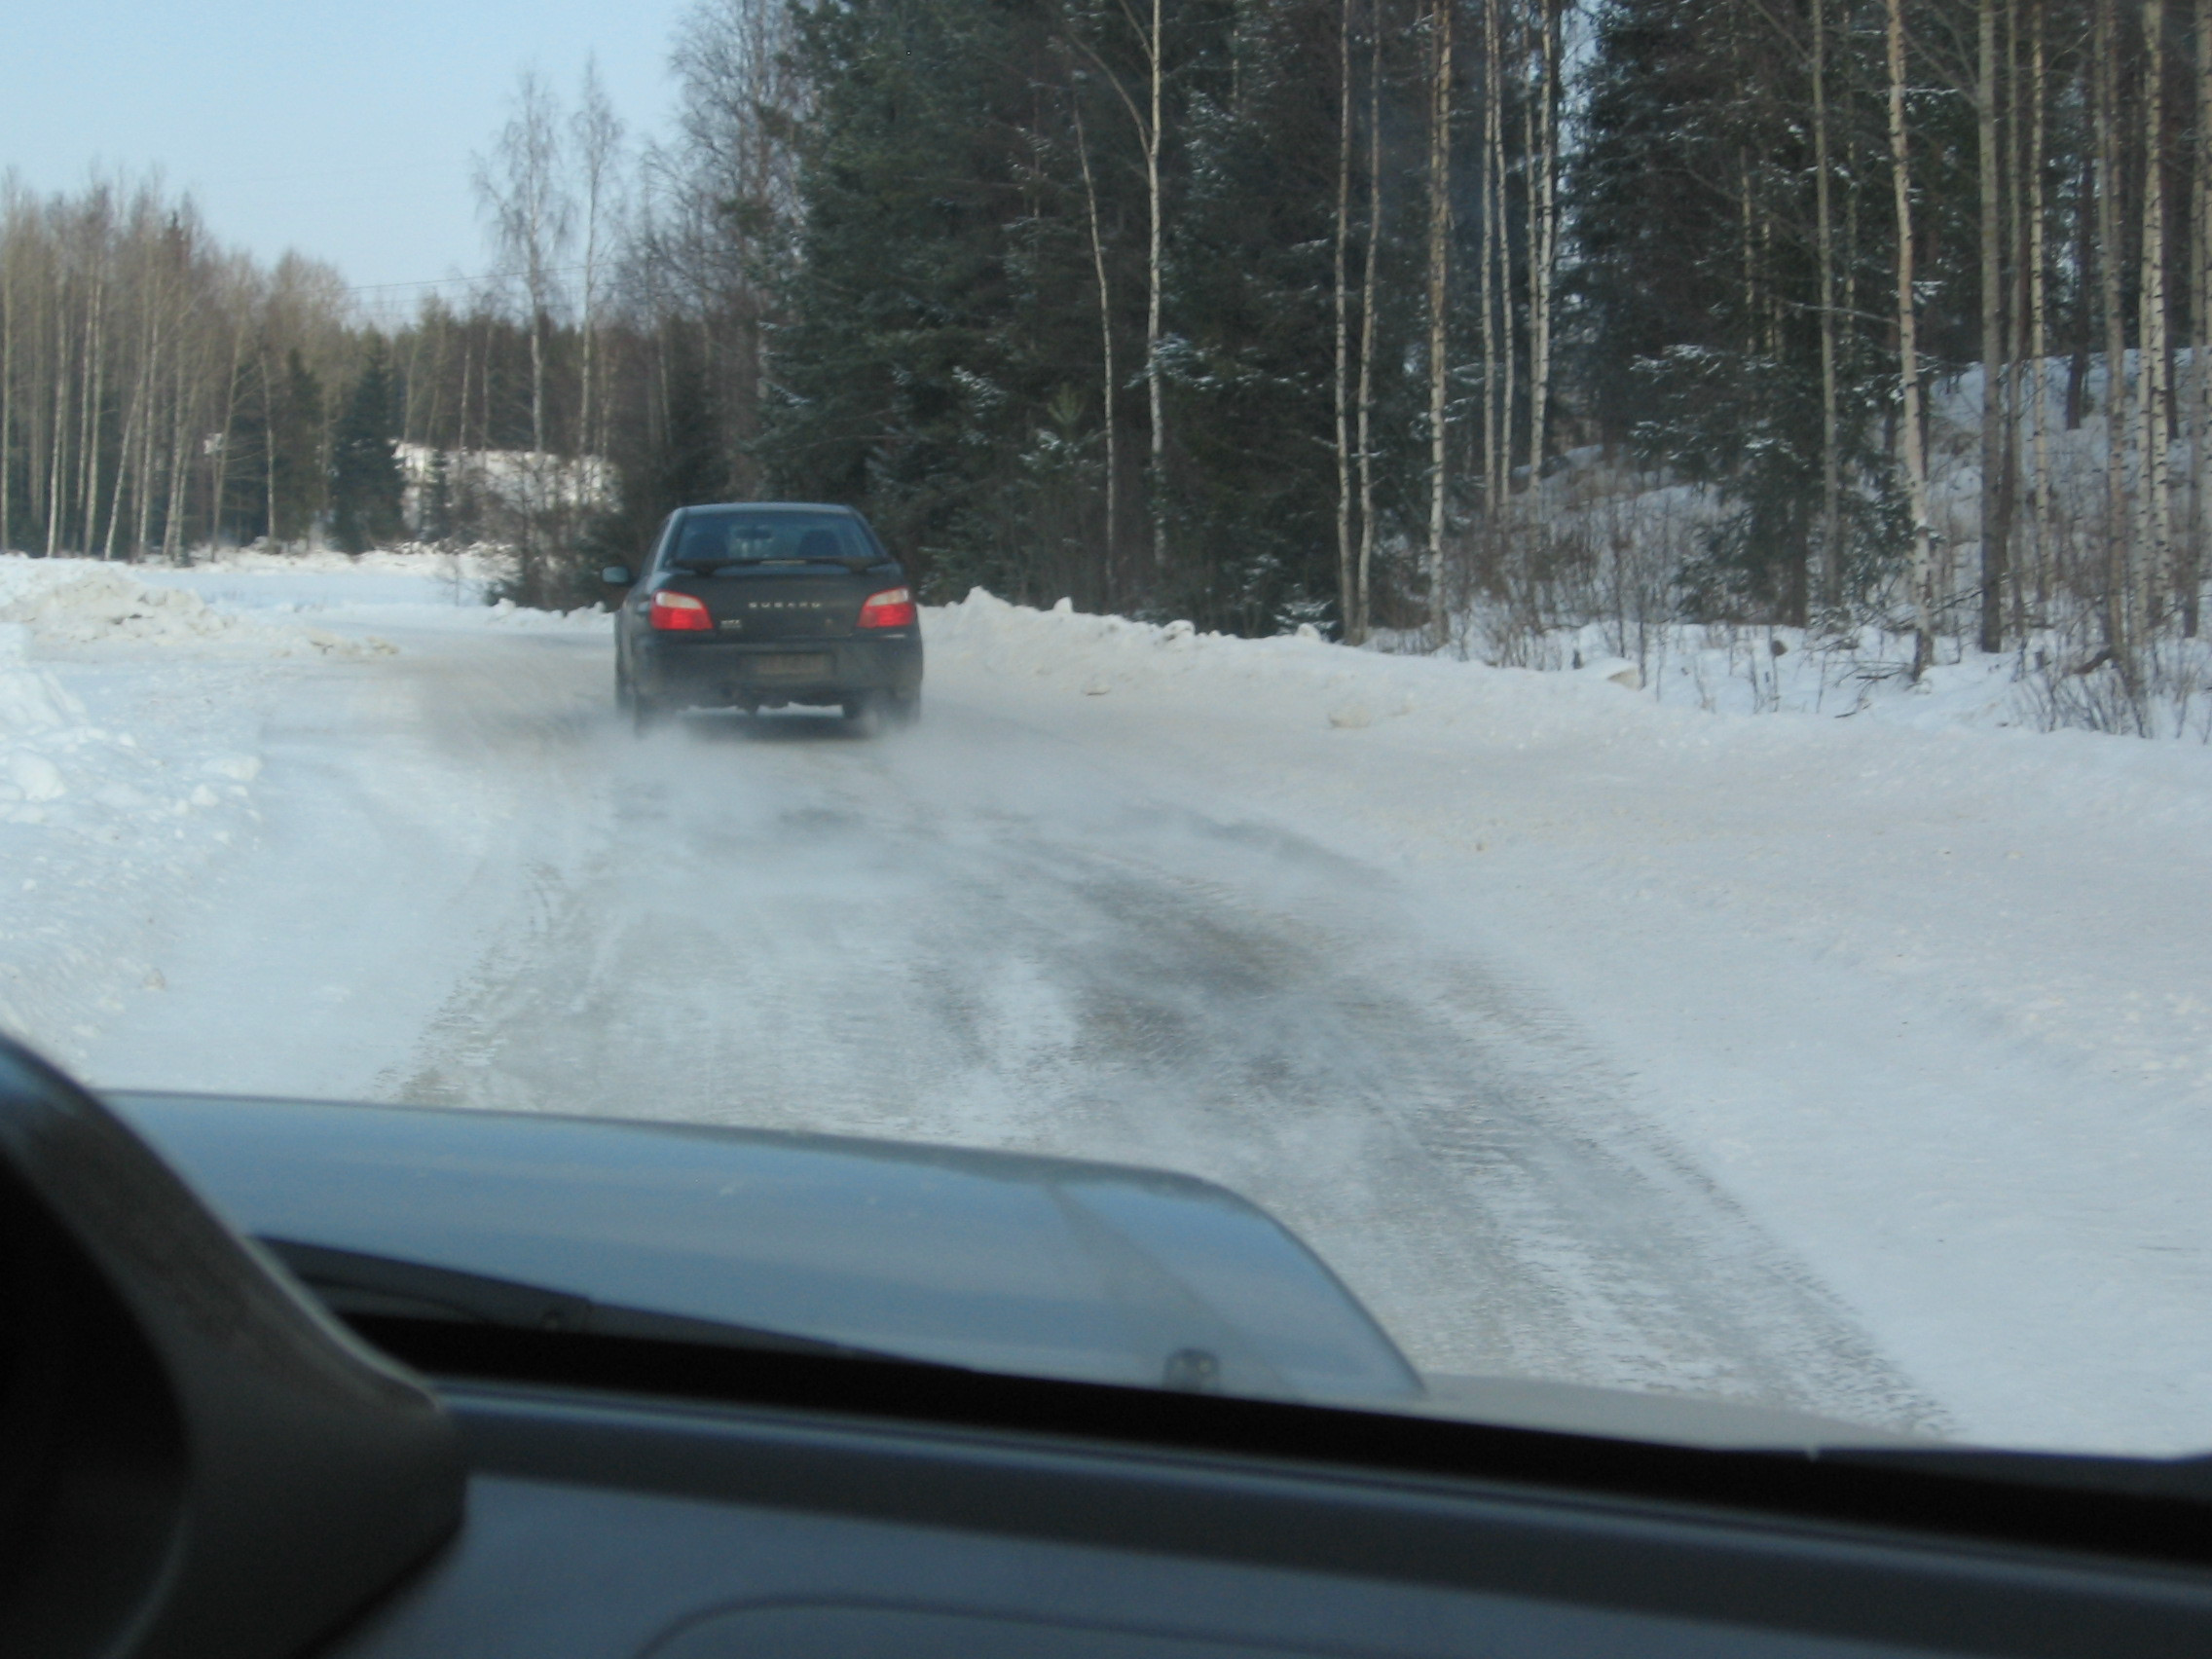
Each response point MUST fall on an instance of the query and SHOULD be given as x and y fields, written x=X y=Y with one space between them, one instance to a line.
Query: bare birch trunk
x=1908 y=359
x=220 y=483
x=1367 y=297
x=37 y=412
x=1108 y=386
x=1505 y=295
x=137 y=427
x=144 y=516
x=2200 y=357
x=1439 y=257
x=1492 y=232
x=2104 y=49
x=95 y=378
x=143 y=526
x=521 y=190
x=1994 y=446
x=414 y=389
x=1156 y=72
x=536 y=381
x=1342 y=380
x=7 y=383
x=2155 y=526
x=1544 y=259
x=2025 y=371
x=57 y=458
x=2084 y=319
x=141 y=394
x=1823 y=240
x=180 y=433
x=2039 y=313
x=597 y=134
x=587 y=413
x=269 y=445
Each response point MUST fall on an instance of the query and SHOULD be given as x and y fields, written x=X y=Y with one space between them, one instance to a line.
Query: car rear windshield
x=737 y=538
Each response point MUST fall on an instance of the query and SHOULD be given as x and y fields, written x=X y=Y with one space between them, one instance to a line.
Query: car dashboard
x=909 y=1511
x=199 y=1456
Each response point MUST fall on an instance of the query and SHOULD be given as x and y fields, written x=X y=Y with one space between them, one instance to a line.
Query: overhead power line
x=448 y=281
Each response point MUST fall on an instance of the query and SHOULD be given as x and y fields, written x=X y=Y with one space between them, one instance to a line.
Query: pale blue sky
x=342 y=130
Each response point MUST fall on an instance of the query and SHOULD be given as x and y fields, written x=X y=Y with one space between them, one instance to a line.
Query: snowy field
x=1858 y=1064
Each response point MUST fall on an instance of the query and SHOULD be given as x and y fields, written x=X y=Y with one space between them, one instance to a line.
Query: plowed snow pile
x=82 y=601
x=1298 y=676
x=61 y=769
x=123 y=773
x=133 y=709
x=34 y=710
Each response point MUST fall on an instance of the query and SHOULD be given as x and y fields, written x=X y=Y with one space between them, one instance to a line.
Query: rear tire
x=903 y=710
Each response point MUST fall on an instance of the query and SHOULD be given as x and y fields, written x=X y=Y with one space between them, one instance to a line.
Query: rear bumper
x=704 y=672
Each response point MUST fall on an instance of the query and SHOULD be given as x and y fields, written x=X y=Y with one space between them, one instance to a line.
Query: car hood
x=997 y=1261
x=1034 y=1265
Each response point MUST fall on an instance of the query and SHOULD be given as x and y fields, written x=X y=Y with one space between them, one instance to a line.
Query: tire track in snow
x=793 y=930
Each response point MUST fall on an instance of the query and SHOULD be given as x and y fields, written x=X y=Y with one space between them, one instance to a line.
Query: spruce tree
x=365 y=482
x=298 y=483
x=437 y=508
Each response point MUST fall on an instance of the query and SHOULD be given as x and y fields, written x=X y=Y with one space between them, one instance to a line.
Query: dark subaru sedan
x=761 y=605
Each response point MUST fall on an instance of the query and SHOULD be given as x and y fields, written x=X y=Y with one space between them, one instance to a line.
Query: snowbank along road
x=1850 y=1066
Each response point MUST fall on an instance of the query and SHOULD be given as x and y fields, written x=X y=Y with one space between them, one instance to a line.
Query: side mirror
x=616 y=575
x=194 y=1457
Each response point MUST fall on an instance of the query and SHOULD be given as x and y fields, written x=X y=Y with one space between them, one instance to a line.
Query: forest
x=1440 y=323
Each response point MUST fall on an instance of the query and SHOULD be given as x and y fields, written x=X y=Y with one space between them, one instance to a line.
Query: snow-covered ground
x=1858 y=1063
x=1936 y=1005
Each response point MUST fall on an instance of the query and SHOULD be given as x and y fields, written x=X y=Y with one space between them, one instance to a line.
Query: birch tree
x=10 y=207
x=1439 y=272
x=1146 y=121
x=595 y=137
x=2036 y=261
x=1109 y=383
x=1910 y=437
x=1497 y=411
x=1543 y=237
x=1153 y=42
x=1369 y=295
x=1994 y=444
x=1341 y=380
x=2105 y=117
x=2153 y=521
x=524 y=195
x=1824 y=252
x=2191 y=562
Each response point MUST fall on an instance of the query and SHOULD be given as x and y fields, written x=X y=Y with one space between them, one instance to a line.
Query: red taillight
x=893 y=607
x=678 y=612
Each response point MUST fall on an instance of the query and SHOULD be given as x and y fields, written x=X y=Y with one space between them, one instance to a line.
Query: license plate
x=790 y=667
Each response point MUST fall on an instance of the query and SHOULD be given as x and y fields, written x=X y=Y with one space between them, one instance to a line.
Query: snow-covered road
x=1775 y=1057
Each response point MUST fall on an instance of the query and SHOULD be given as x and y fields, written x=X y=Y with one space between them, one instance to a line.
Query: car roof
x=770 y=507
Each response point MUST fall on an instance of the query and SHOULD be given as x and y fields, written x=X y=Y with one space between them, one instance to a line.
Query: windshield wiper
x=2182 y=1480
x=354 y=1284
x=2150 y=1505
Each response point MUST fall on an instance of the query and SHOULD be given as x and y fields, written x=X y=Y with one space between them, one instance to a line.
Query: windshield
x=1558 y=644
x=706 y=539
